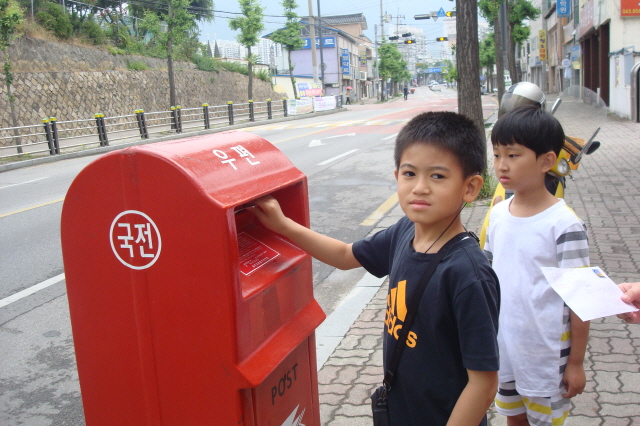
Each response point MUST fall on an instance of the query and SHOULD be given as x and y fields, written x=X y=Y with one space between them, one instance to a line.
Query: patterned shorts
x=541 y=411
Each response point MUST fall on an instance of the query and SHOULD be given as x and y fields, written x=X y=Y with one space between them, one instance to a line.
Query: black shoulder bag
x=379 y=405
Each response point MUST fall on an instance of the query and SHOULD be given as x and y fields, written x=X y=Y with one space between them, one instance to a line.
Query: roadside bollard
x=205 y=114
x=230 y=110
x=47 y=131
x=269 y=111
x=102 y=129
x=179 y=118
x=251 y=111
x=284 y=106
x=142 y=124
x=54 y=133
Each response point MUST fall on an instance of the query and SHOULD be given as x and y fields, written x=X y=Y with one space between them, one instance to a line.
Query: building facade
x=590 y=43
x=344 y=58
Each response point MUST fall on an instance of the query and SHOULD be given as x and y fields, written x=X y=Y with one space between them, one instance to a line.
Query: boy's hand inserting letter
x=269 y=213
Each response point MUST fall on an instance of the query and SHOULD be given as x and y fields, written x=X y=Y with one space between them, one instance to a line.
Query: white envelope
x=589 y=292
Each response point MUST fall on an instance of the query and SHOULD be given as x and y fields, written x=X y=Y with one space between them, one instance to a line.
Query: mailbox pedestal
x=184 y=309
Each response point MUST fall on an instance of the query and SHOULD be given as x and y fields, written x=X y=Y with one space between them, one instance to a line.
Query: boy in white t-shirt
x=542 y=342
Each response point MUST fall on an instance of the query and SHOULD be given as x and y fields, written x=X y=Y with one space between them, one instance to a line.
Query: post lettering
x=284 y=383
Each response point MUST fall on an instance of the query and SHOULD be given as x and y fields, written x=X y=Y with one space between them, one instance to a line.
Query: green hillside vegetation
x=121 y=28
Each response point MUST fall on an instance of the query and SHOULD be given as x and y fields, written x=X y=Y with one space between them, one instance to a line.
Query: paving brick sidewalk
x=605 y=195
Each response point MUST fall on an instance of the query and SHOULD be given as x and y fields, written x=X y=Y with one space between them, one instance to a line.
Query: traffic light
x=394 y=38
x=450 y=14
x=410 y=41
x=406 y=35
x=424 y=16
x=442 y=39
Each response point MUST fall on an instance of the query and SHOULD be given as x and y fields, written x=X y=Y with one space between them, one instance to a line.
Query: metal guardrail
x=54 y=137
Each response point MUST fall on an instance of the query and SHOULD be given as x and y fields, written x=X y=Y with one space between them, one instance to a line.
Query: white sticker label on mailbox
x=253 y=253
x=135 y=239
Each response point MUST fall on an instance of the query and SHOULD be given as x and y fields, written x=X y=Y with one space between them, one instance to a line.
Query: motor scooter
x=578 y=110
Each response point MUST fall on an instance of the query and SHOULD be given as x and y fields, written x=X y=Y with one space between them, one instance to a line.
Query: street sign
x=442 y=13
x=563 y=8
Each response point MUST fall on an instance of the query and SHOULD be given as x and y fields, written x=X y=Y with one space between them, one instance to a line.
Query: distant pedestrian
x=406 y=92
x=631 y=295
x=348 y=97
x=448 y=371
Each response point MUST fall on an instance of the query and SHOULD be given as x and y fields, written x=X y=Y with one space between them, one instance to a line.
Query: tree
x=468 y=62
x=178 y=22
x=518 y=11
x=10 y=18
x=55 y=18
x=392 y=66
x=250 y=25
x=289 y=37
x=490 y=9
x=450 y=72
x=488 y=56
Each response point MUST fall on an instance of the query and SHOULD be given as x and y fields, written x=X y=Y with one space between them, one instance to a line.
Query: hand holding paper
x=632 y=295
x=589 y=292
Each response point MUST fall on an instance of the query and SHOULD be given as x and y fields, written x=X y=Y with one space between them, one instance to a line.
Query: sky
x=401 y=11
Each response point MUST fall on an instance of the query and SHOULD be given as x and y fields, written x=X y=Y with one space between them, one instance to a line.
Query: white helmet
x=521 y=94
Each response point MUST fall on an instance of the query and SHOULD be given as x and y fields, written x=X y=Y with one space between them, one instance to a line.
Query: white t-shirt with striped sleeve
x=533 y=336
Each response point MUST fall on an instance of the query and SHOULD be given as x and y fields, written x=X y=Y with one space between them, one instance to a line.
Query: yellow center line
x=380 y=211
x=31 y=208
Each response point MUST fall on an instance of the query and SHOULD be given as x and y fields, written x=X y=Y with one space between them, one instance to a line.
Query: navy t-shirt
x=454 y=330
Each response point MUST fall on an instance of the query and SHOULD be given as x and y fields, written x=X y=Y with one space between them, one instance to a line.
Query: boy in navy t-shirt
x=448 y=372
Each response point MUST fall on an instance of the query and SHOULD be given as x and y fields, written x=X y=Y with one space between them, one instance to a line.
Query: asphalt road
x=348 y=158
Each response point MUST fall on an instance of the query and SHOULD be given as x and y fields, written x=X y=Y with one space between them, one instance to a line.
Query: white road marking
x=29 y=291
x=390 y=137
x=22 y=183
x=337 y=157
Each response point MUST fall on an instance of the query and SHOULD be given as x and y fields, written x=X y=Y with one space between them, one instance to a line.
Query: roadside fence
x=53 y=137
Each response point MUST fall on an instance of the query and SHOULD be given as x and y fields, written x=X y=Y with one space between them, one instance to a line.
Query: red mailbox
x=185 y=310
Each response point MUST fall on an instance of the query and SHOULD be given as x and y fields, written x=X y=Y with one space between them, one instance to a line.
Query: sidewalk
x=605 y=195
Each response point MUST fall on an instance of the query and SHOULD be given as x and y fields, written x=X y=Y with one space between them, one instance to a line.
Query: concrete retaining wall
x=73 y=82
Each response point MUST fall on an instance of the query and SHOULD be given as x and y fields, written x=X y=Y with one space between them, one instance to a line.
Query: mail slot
x=185 y=310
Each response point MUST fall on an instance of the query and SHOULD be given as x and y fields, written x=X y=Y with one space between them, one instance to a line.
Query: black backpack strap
x=413 y=308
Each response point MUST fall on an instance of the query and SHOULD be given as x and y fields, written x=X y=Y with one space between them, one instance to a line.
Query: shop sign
x=542 y=44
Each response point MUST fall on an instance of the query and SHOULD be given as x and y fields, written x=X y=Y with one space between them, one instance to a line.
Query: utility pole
x=376 y=70
x=312 y=30
x=382 y=83
x=505 y=41
x=381 y=24
x=321 y=45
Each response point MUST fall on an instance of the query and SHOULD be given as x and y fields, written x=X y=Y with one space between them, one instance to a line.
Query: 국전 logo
x=397 y=312
x=294 y=420
x=135 y=239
